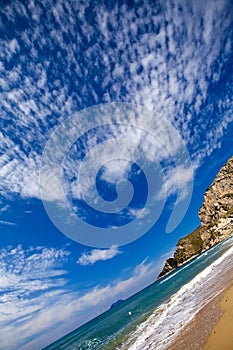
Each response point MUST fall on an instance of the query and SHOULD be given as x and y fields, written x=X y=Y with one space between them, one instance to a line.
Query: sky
x=115 y=118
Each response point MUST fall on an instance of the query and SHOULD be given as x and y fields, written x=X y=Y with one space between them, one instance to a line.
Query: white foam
x=160 y=329
x=171 y=275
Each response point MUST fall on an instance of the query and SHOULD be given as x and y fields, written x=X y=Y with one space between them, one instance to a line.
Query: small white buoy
x=130 y=313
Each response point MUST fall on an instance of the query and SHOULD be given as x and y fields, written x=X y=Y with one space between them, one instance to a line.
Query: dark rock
x=118 y=302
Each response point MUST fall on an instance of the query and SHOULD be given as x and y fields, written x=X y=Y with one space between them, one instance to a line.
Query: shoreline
x=207 y=330
x=187 y=318
x=193 y=257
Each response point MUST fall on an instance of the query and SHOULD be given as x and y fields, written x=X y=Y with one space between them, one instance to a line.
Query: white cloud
x=30 y=279
x=115 y=170
x=33 y=294
x=4 y=208
x=98 y=255
x=36 y=320
x=165 y=68
x=168 y=68
x=8 y=223
x=139 y=213
x=175 y=176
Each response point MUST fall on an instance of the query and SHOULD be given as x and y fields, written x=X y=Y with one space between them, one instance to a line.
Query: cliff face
x=216 y=215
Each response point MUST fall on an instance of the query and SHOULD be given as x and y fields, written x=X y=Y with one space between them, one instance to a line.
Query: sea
x=152 y=318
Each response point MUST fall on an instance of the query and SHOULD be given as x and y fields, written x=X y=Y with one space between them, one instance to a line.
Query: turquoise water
x=157 y=306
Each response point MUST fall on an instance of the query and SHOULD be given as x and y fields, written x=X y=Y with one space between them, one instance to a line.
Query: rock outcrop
x=216 y=216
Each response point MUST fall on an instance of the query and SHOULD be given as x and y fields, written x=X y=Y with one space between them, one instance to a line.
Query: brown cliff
x=216 y=215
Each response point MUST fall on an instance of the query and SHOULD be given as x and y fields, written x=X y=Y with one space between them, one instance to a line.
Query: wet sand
x=212 y=327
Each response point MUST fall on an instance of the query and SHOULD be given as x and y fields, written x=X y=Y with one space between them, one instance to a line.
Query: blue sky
x=61 y=60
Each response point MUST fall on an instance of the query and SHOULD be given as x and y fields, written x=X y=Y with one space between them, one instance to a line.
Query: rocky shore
x=216 y=216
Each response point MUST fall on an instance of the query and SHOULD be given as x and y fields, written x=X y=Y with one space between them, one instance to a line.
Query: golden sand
x=212 y=327
x=221 y=336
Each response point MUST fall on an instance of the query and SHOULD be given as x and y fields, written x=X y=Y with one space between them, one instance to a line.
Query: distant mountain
x=118 y=302
x=216 y=215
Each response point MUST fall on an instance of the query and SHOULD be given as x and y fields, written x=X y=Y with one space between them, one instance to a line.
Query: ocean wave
x=163 y=326
x=89 y=344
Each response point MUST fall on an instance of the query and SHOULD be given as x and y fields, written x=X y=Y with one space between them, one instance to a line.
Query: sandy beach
x=221 y=336
x=212 y=327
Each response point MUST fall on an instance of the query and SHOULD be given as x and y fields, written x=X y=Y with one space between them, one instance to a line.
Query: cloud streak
x=96 y=255
x=33 y=295
x=166 y=58
x=8 y=223
x=30 y=279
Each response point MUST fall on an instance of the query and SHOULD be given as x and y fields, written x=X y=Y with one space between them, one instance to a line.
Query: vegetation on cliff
x=216 y=215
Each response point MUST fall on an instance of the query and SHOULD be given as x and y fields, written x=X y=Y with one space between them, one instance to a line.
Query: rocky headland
x=216 y=216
